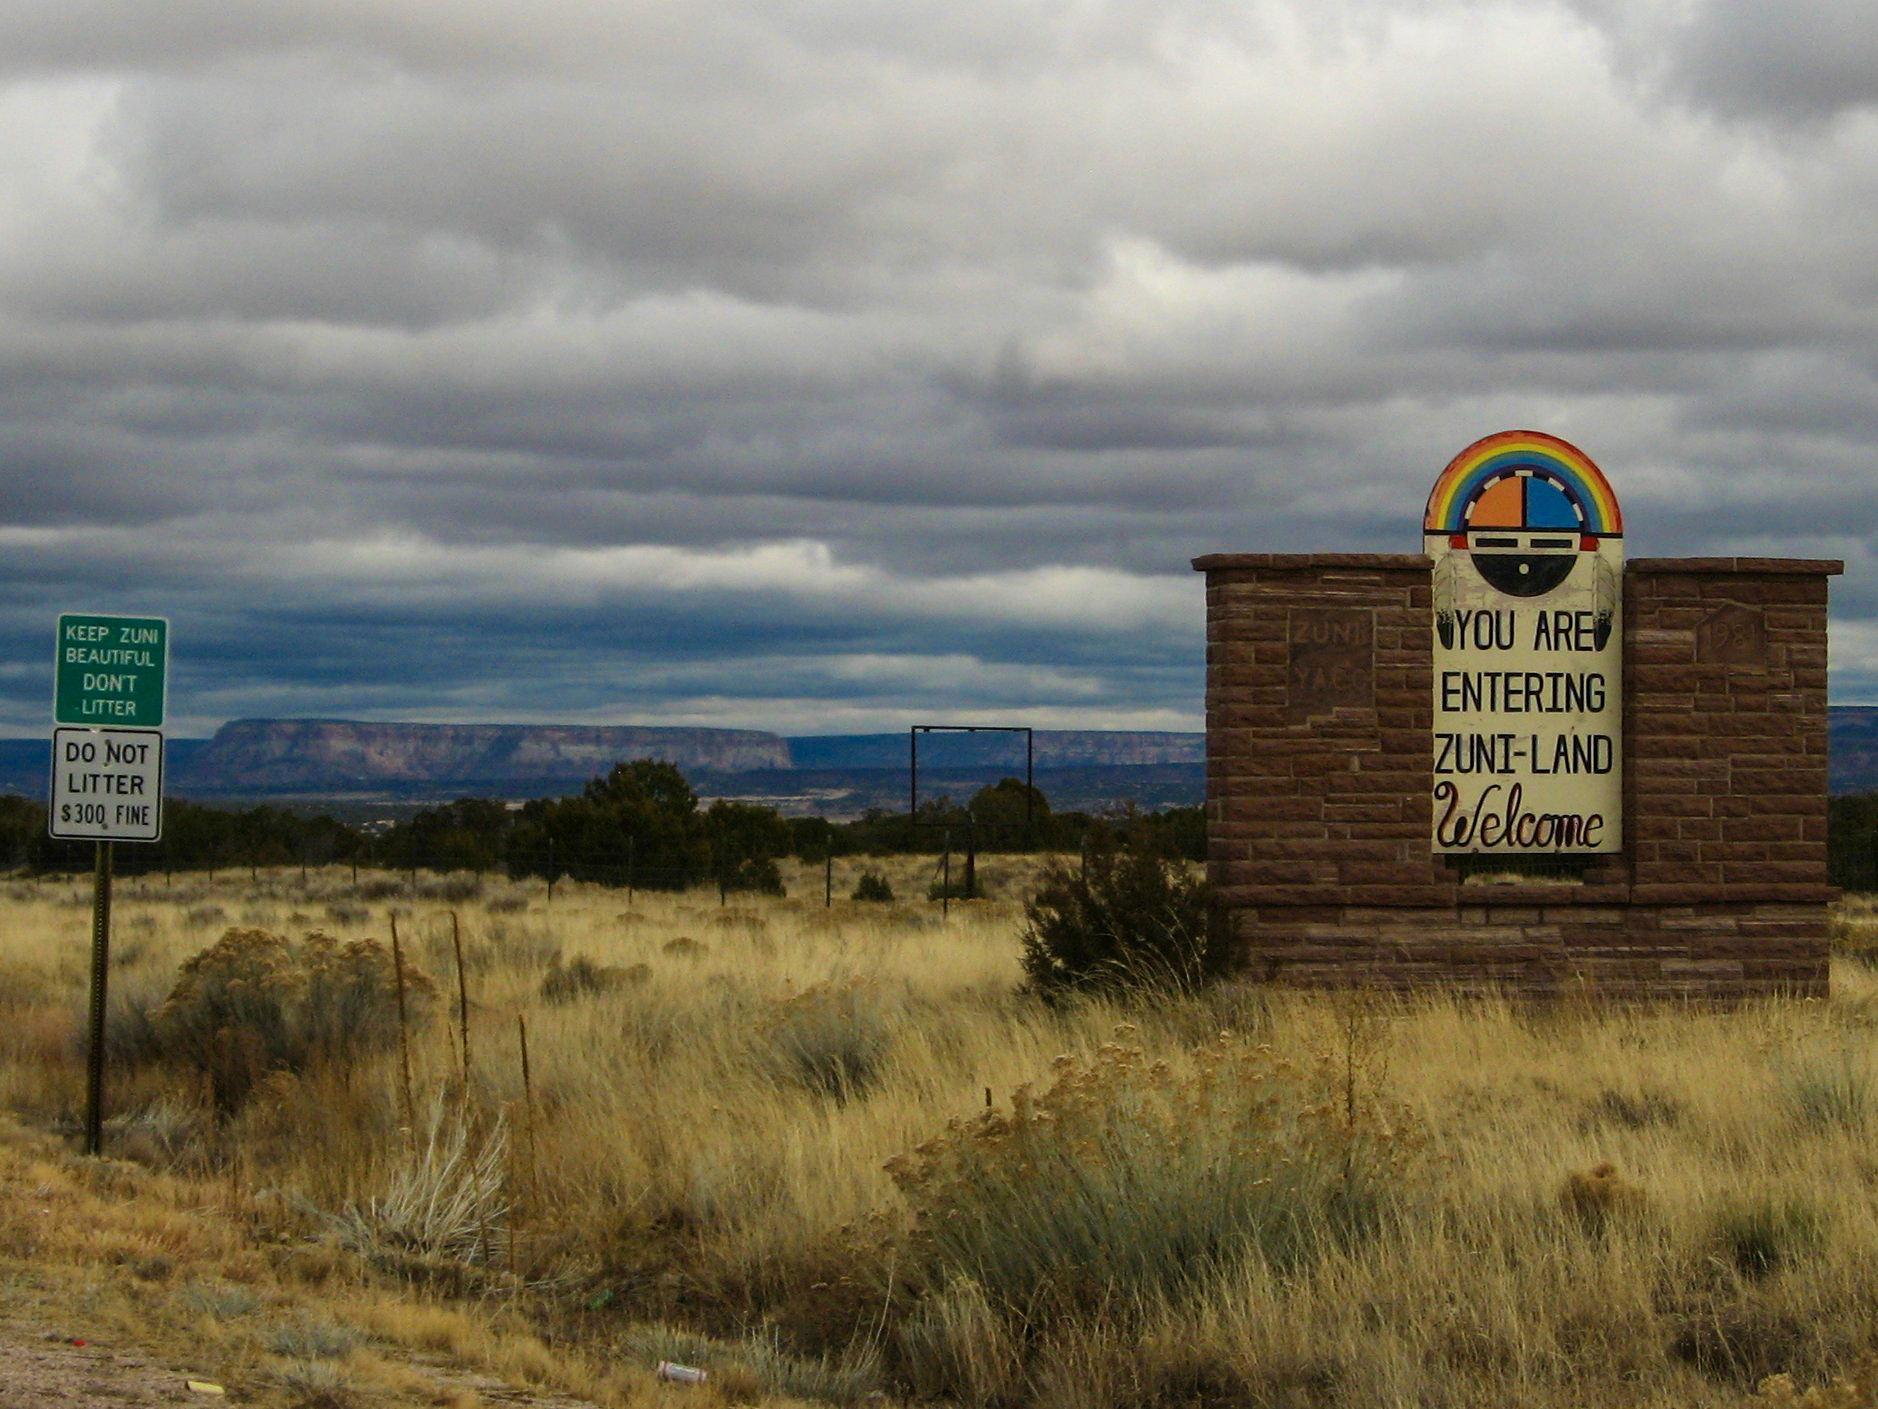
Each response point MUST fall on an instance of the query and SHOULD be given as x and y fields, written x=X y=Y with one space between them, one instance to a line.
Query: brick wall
x=1319 y=780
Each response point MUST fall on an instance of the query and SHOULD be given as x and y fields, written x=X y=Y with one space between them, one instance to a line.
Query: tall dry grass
x=759 y=1132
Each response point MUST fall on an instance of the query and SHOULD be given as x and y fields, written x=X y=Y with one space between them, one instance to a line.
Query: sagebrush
x=256 y=1002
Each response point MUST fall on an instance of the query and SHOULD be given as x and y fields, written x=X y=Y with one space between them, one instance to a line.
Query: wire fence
x=831 y=876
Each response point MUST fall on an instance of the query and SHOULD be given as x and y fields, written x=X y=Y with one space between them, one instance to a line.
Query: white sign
x=1528 y=549
x=107 y=785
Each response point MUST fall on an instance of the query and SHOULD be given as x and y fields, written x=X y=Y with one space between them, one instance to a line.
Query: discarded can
x=684 y=1374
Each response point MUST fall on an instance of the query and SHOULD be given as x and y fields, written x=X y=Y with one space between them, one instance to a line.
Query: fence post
x=945 y=881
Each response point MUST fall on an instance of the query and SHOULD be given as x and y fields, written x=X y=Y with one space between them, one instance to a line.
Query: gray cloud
x=808 y=366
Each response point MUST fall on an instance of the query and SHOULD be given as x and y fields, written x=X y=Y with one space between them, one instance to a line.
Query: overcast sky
x=829 y=365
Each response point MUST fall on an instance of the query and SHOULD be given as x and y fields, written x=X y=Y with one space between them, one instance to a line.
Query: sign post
x=111 y=681
x=100 y=966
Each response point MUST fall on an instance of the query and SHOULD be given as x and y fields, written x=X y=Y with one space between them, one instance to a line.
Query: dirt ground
x=42 y=1363
x=44 y=1360
x=91 y=1313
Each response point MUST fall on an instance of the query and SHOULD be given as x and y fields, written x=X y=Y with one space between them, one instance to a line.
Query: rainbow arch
x=1560 y=480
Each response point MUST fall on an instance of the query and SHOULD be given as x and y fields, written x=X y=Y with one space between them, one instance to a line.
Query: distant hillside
x=1052 y=748
x=1852 y=737
x=848 y=792
x=836 y=774
x=24 y=763
x=307 y=755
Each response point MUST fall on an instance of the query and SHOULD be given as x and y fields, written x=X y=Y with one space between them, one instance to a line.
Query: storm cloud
x=833 y=365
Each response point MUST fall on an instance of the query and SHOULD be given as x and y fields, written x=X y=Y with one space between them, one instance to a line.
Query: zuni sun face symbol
x=1531 y=516
x=1524 y=533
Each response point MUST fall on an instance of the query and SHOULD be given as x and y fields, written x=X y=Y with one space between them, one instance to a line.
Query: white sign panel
x=107 y=784
x=1528 y=549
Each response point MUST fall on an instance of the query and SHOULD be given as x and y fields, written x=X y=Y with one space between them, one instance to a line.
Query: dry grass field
x=831 y=1153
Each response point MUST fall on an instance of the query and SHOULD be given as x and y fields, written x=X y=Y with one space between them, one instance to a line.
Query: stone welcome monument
x=1514 y=761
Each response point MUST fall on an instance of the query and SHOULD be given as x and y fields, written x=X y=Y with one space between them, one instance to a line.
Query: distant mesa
x=1051 y=748
x=1852 y=738
x=827 y=774
x=301 y=755
x=839 y=772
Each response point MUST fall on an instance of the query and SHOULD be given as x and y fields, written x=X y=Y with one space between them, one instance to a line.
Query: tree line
x=195 y=838
x=1852 y=841
x=640 y=824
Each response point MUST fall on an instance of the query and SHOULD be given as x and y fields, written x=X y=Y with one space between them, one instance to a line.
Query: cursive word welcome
x=1510 y=824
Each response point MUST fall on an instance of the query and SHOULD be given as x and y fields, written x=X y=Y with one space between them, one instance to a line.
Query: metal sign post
x=100 y=968
x=111 y=681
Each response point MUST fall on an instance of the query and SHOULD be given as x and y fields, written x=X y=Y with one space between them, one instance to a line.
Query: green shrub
x=1829 y=1090
x=312 y=1338
x=832 y=1037
x=580 y=977
x=166 y=1133
x=1600 y=1196
x=254 y=1003
x=745 y=1368
x=1853 y=938
x=1764 y=1233
x=746 y=839
x=458 y=889
x=1128 y=1183
x=316 y=1384
x=444 y=1202
x=1128 y=918
x=955 y=1343
x=757 y=875
x=873 y=887
x=132 y=1001
x=221 y=1301
x=1632 y=1110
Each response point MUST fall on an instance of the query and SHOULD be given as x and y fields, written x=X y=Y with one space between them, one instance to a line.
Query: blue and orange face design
x=1524 y=533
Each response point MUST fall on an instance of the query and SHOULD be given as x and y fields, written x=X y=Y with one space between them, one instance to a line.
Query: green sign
x=112 y=670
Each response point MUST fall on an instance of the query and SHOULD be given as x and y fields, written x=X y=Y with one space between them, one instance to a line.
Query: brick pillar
x=1725 y=690
x=1319 y=768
